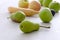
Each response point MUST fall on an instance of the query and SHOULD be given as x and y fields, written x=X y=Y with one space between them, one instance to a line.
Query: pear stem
x=45 y=26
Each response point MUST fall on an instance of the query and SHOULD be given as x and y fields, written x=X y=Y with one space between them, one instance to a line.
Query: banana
x=28 y=12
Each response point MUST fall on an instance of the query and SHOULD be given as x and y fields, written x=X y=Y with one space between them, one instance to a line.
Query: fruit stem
x=45 y=26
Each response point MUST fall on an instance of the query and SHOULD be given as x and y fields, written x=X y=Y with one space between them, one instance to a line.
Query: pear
x=36 y=26
x=54 y=5
x=41 y=1
x=45 y=15
x=17 y=17
x=23 y=4
x=46 y=3
x=28 y=26
x=35 y=5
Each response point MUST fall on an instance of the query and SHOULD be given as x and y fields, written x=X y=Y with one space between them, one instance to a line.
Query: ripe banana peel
x=28 y=12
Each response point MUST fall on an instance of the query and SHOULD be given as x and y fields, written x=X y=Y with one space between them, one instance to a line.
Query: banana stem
x=45 y=26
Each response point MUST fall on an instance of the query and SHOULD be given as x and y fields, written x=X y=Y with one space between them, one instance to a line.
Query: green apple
x=54 y=5
x=17 y=17
x=45 y=15
x=28 y=26
x=23 y=4
x=41 y=1
x=46 y=3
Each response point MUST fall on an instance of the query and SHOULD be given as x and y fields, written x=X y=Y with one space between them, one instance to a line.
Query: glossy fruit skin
x=41 y=1
x=53 y=12
x=23 y=4
x=27 y=27
x=45 y=15
x=35 y=5
x=55 y=6
x=46 y=3
x=17 y=17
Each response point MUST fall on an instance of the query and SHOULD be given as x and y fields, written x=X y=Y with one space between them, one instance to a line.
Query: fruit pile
x=26 y=9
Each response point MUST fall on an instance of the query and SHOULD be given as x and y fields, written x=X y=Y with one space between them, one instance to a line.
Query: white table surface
x=10 y=30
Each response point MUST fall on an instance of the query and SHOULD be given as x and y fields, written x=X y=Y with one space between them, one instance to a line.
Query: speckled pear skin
x=17 y=17
x=45 y=15
x=41 y=1
x=37 y=26
x=27 y=27
x=59 y=8
x=46 y=3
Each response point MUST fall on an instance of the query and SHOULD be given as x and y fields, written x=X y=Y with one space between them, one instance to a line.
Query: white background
x=10 y=30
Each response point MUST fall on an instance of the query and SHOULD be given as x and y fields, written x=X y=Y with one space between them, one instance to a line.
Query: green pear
x=36 y=26
x=55 y=6
x=41 y=1
x=59 y=7
x=46 y=3
x=45 y=15
x=17 y=17
x=27 y=26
